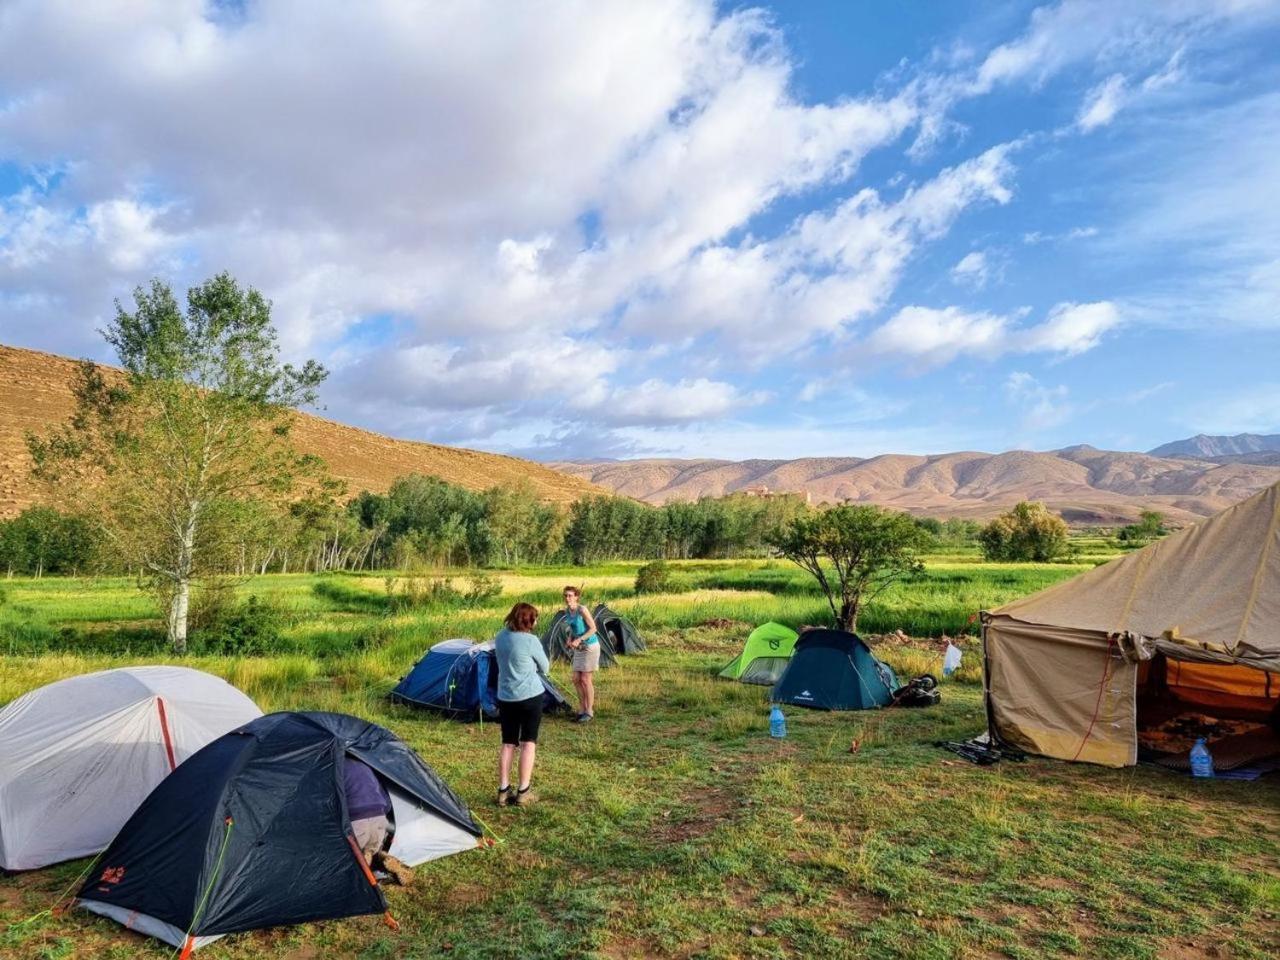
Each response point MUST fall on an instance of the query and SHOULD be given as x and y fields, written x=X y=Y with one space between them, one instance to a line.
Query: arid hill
x=35 y=394
x=1084 y=484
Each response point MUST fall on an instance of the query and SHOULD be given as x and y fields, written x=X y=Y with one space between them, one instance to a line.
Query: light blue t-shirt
x=520 y=660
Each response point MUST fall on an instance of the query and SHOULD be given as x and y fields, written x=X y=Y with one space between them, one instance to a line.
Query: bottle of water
x=1201 y=760
x=777 y=723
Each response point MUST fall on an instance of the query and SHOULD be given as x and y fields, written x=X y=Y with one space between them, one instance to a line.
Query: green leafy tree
x=199 y=423
x=1028 y=532
x=853 y=552
x=1150 y=526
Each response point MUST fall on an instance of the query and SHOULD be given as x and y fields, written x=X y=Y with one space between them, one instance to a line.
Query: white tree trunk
x=178 y=609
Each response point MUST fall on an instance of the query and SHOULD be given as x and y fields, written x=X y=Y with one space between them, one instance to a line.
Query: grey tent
x=617 y=637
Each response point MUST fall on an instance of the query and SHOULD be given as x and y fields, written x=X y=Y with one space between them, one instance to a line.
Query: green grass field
x=675 y=827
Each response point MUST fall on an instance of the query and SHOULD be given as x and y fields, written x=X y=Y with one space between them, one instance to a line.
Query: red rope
x=1106 y=672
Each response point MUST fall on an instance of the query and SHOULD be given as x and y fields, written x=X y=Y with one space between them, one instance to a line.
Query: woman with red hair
x=521 y=666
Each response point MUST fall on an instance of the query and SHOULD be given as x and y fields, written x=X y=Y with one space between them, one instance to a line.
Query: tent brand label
x=804 y=695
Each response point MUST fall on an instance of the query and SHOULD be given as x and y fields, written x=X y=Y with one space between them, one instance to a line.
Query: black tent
x=252 y=831
x=617 y=637
x=834 y=670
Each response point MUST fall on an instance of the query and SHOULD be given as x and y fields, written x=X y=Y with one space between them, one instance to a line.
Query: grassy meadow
x=674 y=826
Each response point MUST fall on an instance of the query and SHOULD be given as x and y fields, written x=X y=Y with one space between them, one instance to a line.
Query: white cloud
x=973 y=270
x=659 y=402
x=1071 y=328
x=1041 y=406
x=934 y=336
x=1103 y=103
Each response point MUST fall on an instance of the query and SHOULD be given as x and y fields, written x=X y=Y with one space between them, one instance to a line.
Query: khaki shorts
x=370 y=834
x=587 y=659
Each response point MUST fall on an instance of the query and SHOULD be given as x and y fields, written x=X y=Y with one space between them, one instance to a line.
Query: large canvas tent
x=460 y=678
x=1194 y=619
x=764 y=656
x=834 y=670
x=253 y=832
x=618 y=636
x=78 y=756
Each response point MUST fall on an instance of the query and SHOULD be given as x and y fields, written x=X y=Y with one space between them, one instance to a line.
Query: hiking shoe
x=505 y=795
x=522 y=798
x=584 y=718
x=401 y=874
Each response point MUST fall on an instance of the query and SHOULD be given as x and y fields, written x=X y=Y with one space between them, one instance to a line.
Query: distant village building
x=764 y=491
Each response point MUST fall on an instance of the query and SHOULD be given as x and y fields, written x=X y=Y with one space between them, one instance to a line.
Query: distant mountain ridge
x=1205 y=447
x=1083 y=483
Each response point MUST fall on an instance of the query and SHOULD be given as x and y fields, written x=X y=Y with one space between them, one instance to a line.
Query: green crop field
x=674 y=826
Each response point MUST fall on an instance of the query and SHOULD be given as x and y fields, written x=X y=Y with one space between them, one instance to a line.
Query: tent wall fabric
x=253 y=832
x=834 y=670
x=764 y=656
x=1064 y=666
x=78 y=756
x=618 y=637
x=460 y=677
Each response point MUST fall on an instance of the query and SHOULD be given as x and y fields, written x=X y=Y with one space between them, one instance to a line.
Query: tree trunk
x=178 y=608
x=848 y=619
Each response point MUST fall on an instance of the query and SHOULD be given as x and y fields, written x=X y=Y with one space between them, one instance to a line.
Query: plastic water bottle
x=1201 y=760
x=777 y=723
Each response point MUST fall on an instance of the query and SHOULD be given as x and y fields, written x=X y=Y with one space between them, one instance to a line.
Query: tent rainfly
x=764 y=656
x=834 y=670
x=253 y=832
x=460 y=678
x=78 y=756
x=1195 y=617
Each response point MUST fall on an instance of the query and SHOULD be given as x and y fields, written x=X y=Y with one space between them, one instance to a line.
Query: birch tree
x=198 y=424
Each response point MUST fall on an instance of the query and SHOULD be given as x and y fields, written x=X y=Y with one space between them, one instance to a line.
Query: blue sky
x=678 y=228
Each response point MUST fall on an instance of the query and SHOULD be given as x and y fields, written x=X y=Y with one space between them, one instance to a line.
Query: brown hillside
x=1084 y=484
x=35 y=394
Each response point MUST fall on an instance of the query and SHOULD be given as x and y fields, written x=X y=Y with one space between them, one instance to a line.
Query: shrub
x=482 y=588
x=654 y=577
x=252 y=628
x=1028 y=532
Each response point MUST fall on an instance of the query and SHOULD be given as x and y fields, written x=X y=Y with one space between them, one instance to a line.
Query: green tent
x=764 y=656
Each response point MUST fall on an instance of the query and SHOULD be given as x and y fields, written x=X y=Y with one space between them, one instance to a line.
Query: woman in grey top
x=521 y=667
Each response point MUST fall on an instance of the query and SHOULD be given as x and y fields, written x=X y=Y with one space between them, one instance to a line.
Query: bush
x=418 y=591
x=654 y=577
x=252 y=628
x=482 y=588
x=1028 y=532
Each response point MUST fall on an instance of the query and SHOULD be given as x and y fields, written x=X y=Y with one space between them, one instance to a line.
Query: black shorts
x=520 y=719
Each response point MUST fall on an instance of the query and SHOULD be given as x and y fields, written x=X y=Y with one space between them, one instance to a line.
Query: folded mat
x=1240 y=750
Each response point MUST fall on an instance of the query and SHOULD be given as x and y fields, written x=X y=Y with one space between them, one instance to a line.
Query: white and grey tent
x=618 y=637
x=78 y=756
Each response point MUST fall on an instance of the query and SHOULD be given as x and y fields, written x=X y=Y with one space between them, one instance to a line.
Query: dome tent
x=78 y=756
x=1191 y=621
x=834 y=670
x=460 y=678
x=253 y=832
x=617 y=636
x=764 y=656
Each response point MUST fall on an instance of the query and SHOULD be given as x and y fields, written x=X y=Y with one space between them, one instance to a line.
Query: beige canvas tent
x=1193 y=620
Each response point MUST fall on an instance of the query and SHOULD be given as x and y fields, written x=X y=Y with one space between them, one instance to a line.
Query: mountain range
x=1185 y=480
x=1084 y=484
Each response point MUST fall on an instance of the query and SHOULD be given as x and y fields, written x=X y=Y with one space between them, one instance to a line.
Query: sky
x=584 y=228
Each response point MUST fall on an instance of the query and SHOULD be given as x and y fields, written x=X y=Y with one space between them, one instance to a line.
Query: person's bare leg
x=589 y=694
x=582 y=694
x=528 y=752
x=504 y=764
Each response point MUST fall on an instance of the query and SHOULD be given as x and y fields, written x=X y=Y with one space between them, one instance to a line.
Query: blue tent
x=460 y=677
x=834 y=670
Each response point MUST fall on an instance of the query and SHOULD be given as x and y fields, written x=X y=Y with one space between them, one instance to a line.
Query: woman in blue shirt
x=521 y=666
x=585 y=644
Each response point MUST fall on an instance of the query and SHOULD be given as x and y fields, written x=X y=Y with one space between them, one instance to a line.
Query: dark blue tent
x=834 y=670
x=460 y=678
x=252 y=831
